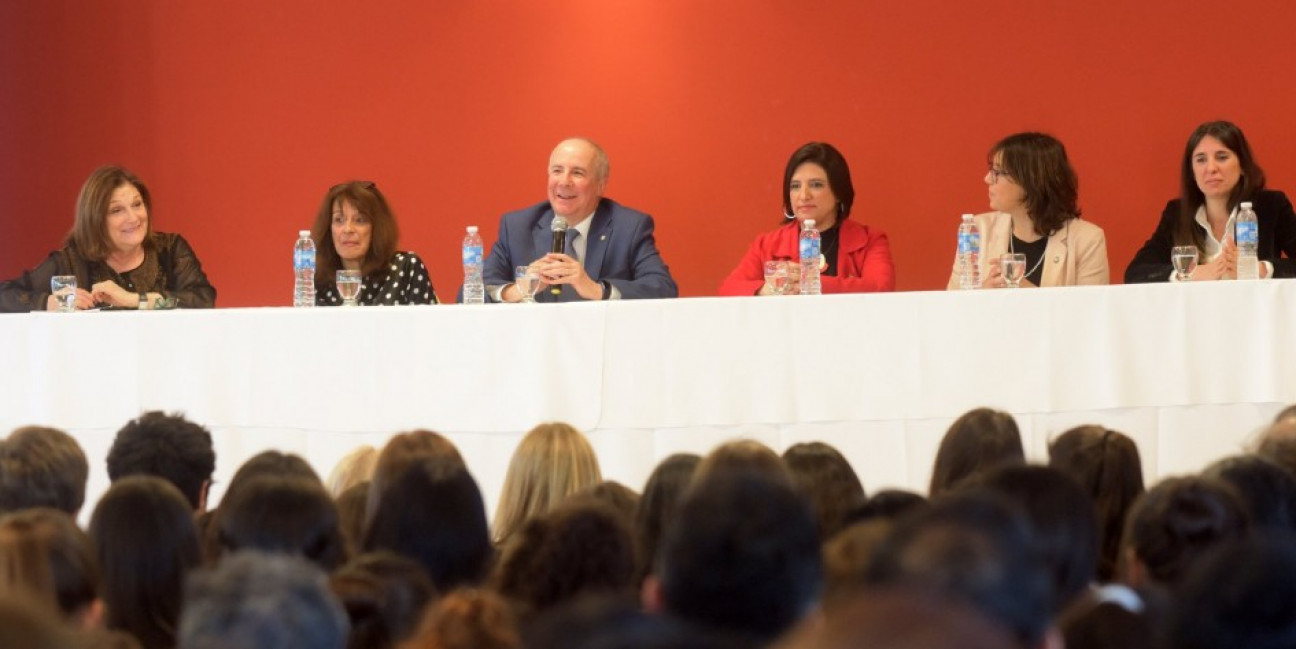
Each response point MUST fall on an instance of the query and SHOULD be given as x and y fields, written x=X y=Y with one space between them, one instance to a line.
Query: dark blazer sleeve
x=497 y=267
x=650 y=278
x=1152 y=262
x=31 y=290
x=1277 y=233
x=186 y=281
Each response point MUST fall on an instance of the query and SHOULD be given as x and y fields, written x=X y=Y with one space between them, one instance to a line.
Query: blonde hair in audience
x=355 y=467
x=553 y=461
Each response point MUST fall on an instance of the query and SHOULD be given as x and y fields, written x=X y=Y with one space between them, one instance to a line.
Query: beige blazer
x=1075 y=255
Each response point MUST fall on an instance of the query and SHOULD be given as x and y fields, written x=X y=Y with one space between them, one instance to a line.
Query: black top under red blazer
x=1277 y=224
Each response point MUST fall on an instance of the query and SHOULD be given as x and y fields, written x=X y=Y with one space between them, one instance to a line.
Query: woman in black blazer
x=1218 y=173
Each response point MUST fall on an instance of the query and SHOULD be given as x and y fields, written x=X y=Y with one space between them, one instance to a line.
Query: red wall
x=240 y=114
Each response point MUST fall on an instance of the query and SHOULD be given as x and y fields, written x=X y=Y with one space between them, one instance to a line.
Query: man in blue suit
x=610 y=255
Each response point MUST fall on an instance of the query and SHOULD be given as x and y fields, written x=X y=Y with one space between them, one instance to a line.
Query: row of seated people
x=741 y=548
x=611 y=252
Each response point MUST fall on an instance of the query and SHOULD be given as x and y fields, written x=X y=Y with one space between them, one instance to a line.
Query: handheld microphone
x=559 y=228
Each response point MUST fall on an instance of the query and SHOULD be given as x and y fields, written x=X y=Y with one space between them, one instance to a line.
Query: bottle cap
x=472 y=229
x=1246 y=205
x=969 y=217
x=303 y=233
x=808 y=224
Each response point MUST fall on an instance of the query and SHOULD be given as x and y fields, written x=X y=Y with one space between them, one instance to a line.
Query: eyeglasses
x=996 y=174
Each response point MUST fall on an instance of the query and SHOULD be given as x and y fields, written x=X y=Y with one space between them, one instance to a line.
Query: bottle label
x=1246 y=232
x=472 y=255
x=303 y=260
x=968 y=242
x=809 y=248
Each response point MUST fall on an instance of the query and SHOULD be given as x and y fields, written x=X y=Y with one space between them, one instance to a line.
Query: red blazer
x=863 y=260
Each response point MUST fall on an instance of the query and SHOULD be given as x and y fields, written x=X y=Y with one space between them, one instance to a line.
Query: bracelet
x=143 y=302
x=607 y=289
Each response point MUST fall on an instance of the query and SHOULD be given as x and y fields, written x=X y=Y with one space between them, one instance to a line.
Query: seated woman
x=117 y=258
x=356 y=230
x=1033 y=192
x=1217 y=174
x=856 y=258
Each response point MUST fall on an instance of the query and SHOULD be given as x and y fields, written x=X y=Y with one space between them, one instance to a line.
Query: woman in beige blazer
x=1033 y=190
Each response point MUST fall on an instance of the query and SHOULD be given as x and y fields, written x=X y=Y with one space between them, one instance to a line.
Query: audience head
x=742 y=556
x=1268 y=491
x=406 y=450
x=468 y=618
x=433 y=513
x=42 y=467
x=28 y=625
x=146 y=542
x=1279 y=444
x=1286 y=414
x=581 y=548
x=972 y=546
x=1106 y=464
x=552 y=462
x=1061 y=521
x=1240 y=595
x=90 y=232
x=846 y=558
x=822 y=474
x=169 y=447
x=354 y=468
x=980 y=440
x=384 y=596
x=620 y=623
x=1175 y=523
x=1031 y=171
x=253 y=600
x=743 y=456
x=1215 y=151
x=354 y=224
x=271 y=464
x=352 y=506
x=578 y=175
x=291 y=515
x=620 y=498
x=902 y=619
x=45 y=557
x=887 y=504
x=820 y=171
x=661 y=495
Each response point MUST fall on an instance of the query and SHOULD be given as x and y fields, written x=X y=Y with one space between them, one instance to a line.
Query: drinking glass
x=348 y=286
x=64 y=288
x=1014 y=268
x=776 y=276
x=528 y=282
x=1184 y=259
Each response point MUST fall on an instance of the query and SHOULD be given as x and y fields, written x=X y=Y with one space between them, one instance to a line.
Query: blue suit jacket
x=620 y=249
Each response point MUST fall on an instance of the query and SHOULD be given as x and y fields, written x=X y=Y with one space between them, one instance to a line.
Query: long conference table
x=1192 y=372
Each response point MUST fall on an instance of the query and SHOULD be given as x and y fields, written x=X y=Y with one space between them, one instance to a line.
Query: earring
x=789 y=216
x=841 y=208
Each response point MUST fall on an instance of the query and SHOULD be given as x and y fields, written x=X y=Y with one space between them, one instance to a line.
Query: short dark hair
x=290 y=515
x=167 y=446
x=146 y=541
x=822 y=474
x=253 y=600
x=1267 y=489
x=743 y=555
x=42 y=467
x=1106 y=464
x=383 y=237
x=834 y=165
x=661 y=495
x=1038 y=163
x=1187 y=232
x=972 y=546
x=1180 y=519
x=1239 y=595
x=979 y=440
x=384 y=595
x=887 y=504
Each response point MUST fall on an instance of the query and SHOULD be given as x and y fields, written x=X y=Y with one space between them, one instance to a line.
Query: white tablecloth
x=1192 y=372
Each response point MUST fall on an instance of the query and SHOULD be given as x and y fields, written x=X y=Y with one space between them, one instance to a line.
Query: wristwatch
x=143 y=301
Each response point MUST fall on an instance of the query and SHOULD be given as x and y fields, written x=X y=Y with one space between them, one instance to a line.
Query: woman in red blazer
x=856 y=258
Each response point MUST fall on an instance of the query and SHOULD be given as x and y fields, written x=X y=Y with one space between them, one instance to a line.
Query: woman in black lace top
x=356 y=230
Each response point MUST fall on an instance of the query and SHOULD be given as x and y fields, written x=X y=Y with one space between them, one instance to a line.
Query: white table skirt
x=1191 y=372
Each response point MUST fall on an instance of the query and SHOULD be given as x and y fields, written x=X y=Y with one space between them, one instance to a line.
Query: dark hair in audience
x=1106 y=464
x=468 y=618
x=1187 y=232
x=1062 y=524
x=1108 y=625
x=1038 y=163
x=1240 y=595
x=581 y=548
x=144 y=535
x=433 y=513
x=384 y=595
x=1267 y=489
x=1279 y=444
x=167 y=446
x=822 y=475
x=661 y=495
x=46 y=556
x=887 y=504
x=289 y=515
x=253 y=600
x=743 y=456
x=89 y=234
x=846 y=558
x=383 y=237
x=271 y=464
x=351 y=506
x=972 y=546
x=898 y=618
x=42 y=467
x=979 y=440
x=742 y=555
x=27 y=625
x=611 y=493
x=1177 y=521
x=620 y=623
x=406 y=450
x=834 y=165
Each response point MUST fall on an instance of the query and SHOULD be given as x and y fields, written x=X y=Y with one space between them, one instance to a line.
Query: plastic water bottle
x=969 y=253
x=304 y=269
x=809 y=258
x=1246 y=233
x=474 y=291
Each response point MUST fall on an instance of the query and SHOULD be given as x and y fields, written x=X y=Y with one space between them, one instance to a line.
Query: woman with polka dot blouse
x=355 y=230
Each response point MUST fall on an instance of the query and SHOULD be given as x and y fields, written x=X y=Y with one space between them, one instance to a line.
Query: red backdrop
x=239 y=114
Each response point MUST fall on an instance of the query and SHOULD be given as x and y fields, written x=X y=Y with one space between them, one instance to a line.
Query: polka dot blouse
x=406 y=282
